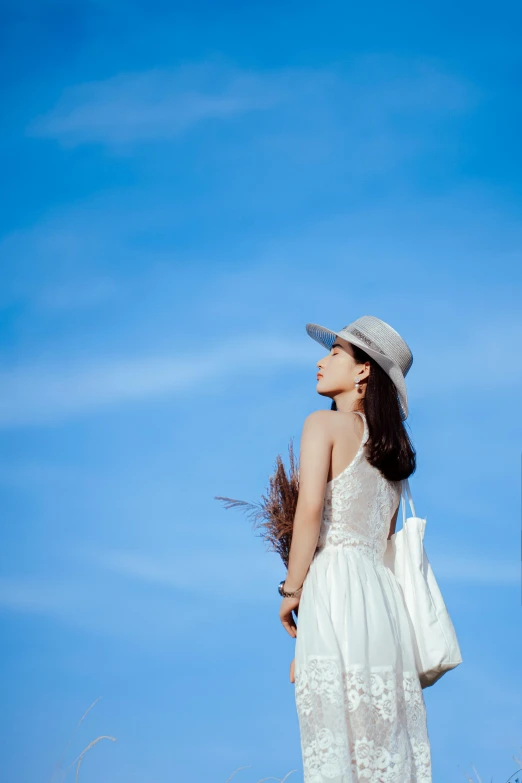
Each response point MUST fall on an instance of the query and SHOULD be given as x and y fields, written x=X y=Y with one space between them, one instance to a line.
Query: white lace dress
x=361 y=710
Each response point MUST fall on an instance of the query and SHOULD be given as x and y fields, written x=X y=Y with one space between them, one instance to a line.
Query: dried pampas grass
x=275 y=513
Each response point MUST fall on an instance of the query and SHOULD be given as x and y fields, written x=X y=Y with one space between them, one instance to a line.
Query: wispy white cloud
x=197 y=572
x=29 y=594
x=126 y=592
x=155 y=104
x=368 y=99
x=103 y=607
x=22 y=474
x=43 y=393
x=362 y=120
x=46 y=392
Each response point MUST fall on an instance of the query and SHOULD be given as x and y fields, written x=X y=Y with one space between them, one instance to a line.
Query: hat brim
x=326 y=337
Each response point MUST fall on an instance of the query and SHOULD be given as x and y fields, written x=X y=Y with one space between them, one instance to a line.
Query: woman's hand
x=285 y=614
x=292 y=670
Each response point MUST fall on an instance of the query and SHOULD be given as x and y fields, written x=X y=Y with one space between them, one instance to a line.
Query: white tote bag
x=435 y=635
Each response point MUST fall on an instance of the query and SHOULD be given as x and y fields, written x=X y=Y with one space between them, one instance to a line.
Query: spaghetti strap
x=366 y=433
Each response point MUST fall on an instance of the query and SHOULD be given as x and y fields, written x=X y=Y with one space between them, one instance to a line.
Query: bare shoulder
x=319 y=418
x=334 y=420
x=320 y=421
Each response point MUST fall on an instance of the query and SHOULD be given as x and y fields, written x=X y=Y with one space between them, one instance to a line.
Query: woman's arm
x=314 y=463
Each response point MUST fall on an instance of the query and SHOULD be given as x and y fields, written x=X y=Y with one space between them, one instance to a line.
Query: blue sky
x=186 y=185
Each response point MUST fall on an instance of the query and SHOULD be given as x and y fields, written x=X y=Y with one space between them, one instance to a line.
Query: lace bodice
x=358 y=506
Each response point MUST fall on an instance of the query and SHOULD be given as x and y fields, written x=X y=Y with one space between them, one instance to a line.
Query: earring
x=357 y=385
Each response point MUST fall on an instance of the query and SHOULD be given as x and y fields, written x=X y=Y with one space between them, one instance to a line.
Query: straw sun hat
x=380 y=341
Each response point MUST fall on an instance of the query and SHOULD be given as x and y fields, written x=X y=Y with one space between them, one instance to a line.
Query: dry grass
x=79 y=758
x=511 y=779
x=275 y=513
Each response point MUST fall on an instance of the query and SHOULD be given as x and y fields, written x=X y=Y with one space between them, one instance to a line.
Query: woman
x=359 y=701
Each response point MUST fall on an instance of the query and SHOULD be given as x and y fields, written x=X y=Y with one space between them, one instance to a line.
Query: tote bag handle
x=406 y=496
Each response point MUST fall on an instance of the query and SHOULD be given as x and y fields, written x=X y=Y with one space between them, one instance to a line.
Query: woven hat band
x=384 y=339
x=363 y=337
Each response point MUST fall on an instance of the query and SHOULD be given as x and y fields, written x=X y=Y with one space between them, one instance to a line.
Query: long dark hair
x=389 y=447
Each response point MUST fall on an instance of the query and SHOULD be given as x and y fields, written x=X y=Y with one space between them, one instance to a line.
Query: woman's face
x=338 y=370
